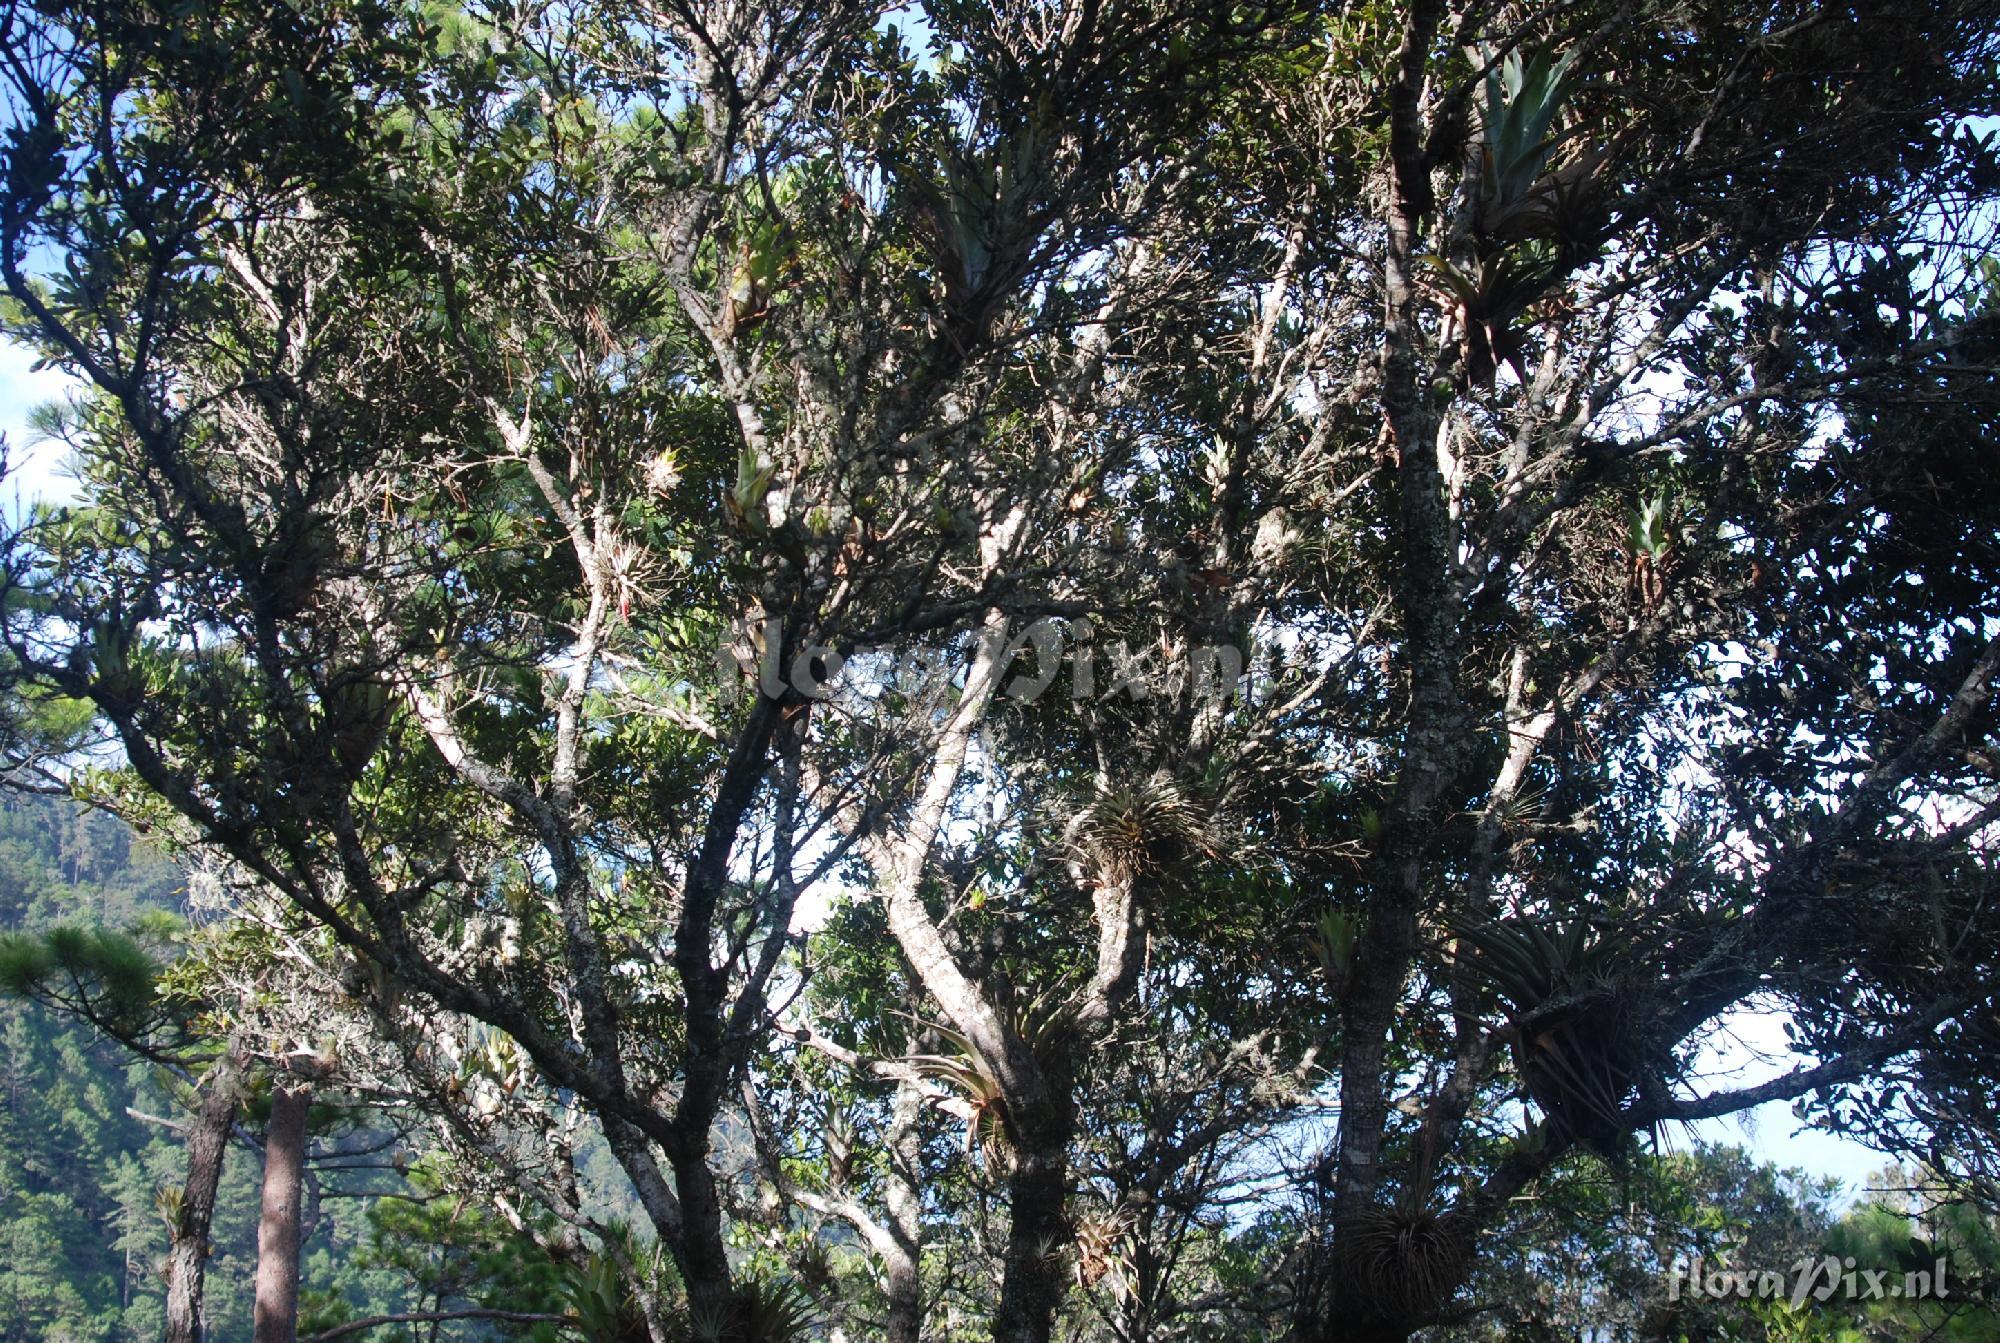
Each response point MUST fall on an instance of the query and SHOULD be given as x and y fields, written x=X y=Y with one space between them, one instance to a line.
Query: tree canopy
x=1100 y=667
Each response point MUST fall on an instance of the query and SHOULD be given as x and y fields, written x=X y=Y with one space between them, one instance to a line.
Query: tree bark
x=1031 y=1284
x=905 y=1319
x=207 y=1144
x=703 y=1258
x=903 y=1254
x=276 y=1318
x=1434 y=740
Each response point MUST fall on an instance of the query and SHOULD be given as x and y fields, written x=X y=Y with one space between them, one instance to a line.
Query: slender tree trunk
x=1435 y=741
x=1031 y=1284
x=905 y=1323
x=1033 y=1280
x=703 y=1258
x=903 y=1264
x=276 y=1319
x=207 y=1143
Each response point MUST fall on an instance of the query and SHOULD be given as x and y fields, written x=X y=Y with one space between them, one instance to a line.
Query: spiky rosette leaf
x=1402 y=1261
x=1128 y=830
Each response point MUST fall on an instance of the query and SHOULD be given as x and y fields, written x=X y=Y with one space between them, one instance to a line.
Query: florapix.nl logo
x=1824 y=1279
x=1026 y=661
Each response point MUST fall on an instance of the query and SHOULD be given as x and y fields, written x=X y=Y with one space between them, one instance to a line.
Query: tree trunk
x=1031 y=1285
x=905 y=1322
x=903 y=1264
x=703 y=1258
x=277 y=1312
x=207 y=1144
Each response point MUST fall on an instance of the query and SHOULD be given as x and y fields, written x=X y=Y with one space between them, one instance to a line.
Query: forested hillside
x=90 y=1137
x=77 y=1169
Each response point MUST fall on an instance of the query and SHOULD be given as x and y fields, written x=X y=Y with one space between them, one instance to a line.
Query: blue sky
x=1746 y=1048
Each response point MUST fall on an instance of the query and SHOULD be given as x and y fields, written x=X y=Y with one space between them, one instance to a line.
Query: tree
x=277 y=1319
x=1619 y=1253
x=462 y=1261
x=194 y=1212
x=1574 y=414
x=126 y=1084
x=1910 y=1215
x=109 y=981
